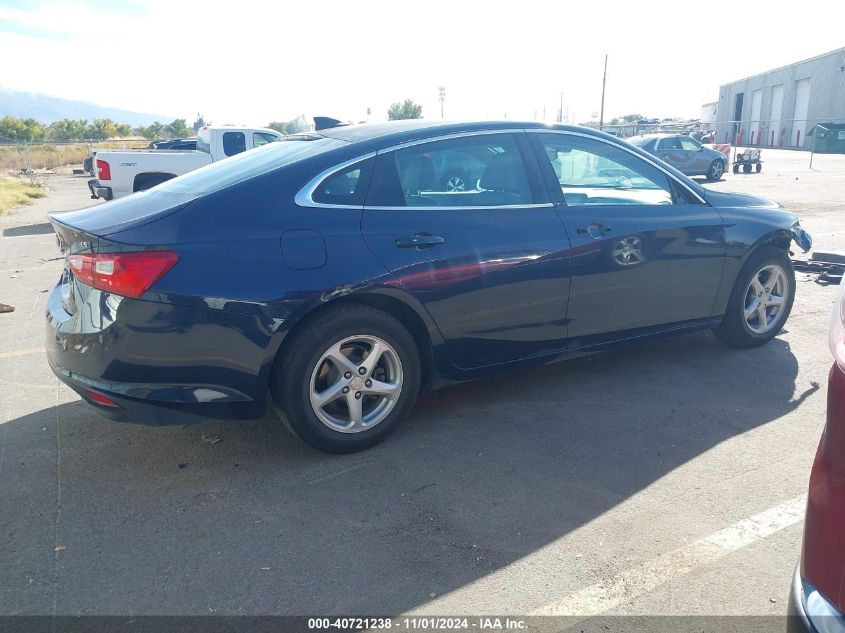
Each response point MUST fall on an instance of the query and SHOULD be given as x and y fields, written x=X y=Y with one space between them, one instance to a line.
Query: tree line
x=29 y=130
x=13 y=129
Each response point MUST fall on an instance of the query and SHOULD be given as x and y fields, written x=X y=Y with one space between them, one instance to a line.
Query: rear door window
x=233 y=143
x=473 y=171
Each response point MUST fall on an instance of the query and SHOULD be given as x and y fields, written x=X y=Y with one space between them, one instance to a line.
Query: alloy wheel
x=356 y=383
x=765 y=298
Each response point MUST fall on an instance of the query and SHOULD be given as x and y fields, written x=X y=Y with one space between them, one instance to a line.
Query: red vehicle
x=817 y=599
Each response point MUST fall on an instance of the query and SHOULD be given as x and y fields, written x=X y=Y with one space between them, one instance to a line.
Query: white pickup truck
x=120 y=173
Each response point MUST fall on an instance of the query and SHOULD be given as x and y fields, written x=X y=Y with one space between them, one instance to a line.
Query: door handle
x=596 y=230
x=420 y=241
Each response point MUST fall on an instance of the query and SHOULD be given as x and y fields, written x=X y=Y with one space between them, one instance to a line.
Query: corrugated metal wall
x=776 y=126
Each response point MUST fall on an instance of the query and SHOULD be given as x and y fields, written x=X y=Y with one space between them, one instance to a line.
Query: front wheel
x=717 y=168
x=347 y=379
x=760 y=301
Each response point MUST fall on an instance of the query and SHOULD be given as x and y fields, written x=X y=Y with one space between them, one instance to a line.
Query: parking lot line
x=636 y=581
x=22 y=352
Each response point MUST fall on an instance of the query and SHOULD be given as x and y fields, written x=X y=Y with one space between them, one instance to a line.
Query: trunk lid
x=118 y=215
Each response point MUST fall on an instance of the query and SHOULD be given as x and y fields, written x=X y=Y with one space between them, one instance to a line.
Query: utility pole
x=442 y=96
x=560 y=111
x=603 y=83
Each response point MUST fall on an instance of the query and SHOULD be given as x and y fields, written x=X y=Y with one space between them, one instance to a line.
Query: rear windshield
x=228 y=171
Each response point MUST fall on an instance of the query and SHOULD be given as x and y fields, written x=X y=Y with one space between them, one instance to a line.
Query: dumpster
x=829 y=138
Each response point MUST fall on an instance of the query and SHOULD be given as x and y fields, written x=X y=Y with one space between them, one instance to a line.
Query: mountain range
x=47 y=109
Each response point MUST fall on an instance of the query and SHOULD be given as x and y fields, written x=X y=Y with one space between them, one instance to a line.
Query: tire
x=759 y=167
x=736 y=329
x=736 y=168
x=304 y=373
x=746 y=168
x=149 y=183
x=715 y=171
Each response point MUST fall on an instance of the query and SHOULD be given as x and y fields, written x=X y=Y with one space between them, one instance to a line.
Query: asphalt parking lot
x=583 y=487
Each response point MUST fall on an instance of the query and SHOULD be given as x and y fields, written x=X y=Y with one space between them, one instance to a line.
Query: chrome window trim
x=669 y=175
x=303 y=197
x=504 y=207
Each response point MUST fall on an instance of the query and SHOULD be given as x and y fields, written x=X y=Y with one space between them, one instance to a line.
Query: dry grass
x=50 y=156
x=42 y=156
x=17 y=192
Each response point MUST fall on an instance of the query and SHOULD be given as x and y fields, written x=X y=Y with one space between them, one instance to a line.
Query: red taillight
x=125 y=274
x=101 y=399
x=103 y=170
x=823 y=557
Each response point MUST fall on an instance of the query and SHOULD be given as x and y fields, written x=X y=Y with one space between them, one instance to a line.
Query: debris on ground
x=211 y=439
x=6 y=308
x=60 y=548
x=827 y=266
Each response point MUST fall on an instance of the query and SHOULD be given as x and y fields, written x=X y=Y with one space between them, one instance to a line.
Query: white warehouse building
x=780 y=107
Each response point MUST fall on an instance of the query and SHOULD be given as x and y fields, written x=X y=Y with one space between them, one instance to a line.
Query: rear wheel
x=347 y=379
x=736 y=168
x=759 y=167
x=760 y=301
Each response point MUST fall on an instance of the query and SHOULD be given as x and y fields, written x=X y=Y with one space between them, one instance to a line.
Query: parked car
x=337 y=271
x=817 y=599
x=684 y=153
x=174 y=144
x=122 y=172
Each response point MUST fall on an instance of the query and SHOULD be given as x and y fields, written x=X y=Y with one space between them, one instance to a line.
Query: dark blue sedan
x=343 y=271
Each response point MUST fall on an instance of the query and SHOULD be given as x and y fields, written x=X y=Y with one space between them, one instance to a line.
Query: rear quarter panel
x=231 y=259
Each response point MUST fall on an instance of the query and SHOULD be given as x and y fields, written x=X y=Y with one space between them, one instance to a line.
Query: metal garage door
x=774 y=118
x=802 y=102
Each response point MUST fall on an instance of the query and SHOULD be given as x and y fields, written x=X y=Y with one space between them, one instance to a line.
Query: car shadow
x=240 y=518
x=43 y=228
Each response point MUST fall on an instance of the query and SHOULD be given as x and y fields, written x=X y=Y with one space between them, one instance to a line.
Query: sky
x=251 y=62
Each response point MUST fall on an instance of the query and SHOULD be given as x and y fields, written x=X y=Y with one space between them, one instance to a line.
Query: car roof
x=416 y=128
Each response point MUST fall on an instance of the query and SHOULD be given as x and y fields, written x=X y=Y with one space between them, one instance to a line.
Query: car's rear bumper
x=99 y=191
x=159 y=363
